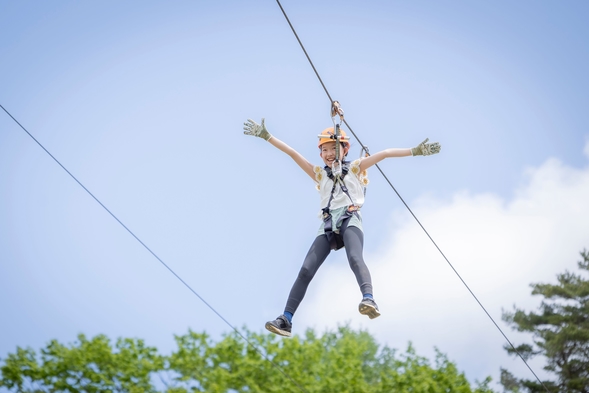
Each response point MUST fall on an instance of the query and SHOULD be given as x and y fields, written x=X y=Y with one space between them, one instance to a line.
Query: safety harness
x=337 y=173
x=335 y=239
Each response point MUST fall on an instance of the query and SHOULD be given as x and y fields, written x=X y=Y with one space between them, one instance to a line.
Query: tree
x=86 y=366
x=344 y=361
x=341 y=361
x=560 y=332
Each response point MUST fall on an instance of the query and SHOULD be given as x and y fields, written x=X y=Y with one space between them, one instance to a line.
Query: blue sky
x=144 y=103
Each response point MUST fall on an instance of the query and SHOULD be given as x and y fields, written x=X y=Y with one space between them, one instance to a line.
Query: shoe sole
x=276 y=330
x=371 y=311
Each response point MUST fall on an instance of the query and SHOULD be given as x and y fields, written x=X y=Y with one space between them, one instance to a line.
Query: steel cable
x=155 y=255
x=407 y=206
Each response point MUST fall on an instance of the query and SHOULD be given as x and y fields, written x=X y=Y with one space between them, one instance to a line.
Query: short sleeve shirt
x=355 y=182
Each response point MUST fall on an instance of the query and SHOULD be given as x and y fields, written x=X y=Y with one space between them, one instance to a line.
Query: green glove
x=255 y=129
x=426 y=149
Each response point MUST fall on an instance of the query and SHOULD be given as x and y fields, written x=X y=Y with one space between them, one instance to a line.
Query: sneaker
x=368 y=307
x=280 y=326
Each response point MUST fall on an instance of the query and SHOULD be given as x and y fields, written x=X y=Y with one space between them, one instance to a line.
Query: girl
x=342 y=196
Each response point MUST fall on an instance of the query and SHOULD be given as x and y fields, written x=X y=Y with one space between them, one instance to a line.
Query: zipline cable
x=406 y=205
x=155 y=255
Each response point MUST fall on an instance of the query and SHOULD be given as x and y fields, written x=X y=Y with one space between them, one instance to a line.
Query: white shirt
x=355 y=182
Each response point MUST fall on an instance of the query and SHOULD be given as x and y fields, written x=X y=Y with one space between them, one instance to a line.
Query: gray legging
x=354 y=244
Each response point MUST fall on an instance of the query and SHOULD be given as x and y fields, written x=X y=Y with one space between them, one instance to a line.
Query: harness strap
x=335 y=240
x=326 y=213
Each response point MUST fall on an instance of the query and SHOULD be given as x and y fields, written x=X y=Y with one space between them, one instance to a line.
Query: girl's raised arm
x=259 y=130
x=423 y=149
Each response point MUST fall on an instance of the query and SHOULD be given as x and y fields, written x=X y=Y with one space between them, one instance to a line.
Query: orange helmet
x=327 y=136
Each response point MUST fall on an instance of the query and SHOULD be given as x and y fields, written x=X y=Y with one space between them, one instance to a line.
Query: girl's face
x=328 y=153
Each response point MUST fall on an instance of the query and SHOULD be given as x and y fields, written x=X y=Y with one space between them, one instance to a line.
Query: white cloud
x=498 y=246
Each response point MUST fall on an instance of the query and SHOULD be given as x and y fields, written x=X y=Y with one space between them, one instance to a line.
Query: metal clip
x=336 y=169
x=364 y=149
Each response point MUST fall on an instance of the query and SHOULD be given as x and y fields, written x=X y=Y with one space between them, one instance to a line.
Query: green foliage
x=86 y=366
x=344 y=361
x=560 y=333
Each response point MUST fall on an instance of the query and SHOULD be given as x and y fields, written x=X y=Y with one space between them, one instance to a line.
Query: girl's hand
x=426 y=149
x=255 y=129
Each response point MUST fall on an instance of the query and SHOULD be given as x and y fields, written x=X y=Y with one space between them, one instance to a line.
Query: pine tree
x=560 y=332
